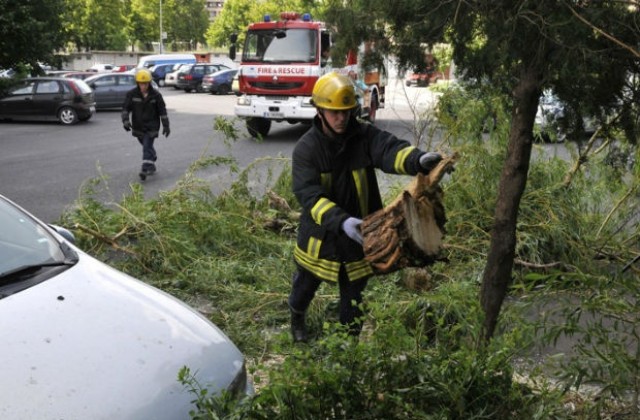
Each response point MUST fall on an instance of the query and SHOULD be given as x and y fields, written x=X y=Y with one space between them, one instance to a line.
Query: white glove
x=429 y=160
x=351 y=227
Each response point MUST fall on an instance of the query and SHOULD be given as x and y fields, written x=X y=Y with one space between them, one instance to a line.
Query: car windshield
x=281 y=46
x=24 y=242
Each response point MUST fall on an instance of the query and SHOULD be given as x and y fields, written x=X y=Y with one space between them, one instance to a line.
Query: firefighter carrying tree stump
x=334 y=180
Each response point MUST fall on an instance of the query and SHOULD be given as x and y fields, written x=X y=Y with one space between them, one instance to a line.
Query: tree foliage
x=103 y=25
x=234 y=17
x=30 y=31
x=237 y=14
x=185 y=21
x=583 y=50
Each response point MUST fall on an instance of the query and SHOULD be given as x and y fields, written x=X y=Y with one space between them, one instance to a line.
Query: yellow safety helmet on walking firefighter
x=143 y=76
x=335 y=92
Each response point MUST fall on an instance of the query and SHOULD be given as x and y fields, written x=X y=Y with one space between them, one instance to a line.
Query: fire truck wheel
x=258 y=127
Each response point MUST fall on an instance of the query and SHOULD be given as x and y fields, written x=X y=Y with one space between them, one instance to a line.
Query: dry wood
x=409 y=231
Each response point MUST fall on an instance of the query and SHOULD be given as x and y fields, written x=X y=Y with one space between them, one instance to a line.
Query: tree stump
x=409 y=231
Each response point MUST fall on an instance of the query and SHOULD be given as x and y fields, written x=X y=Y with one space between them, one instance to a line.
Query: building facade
x=213 y=8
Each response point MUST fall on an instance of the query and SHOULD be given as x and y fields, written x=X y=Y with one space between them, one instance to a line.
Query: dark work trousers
x=149 y=156
x=305 y=285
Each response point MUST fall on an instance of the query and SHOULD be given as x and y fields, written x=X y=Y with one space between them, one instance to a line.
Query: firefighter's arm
x=126 y=108
x=396 y=156
x=162 y=112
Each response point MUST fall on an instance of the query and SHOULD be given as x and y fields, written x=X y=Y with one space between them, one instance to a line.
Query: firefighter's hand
x=166 y=131
x=429 y=160
x=126 y=125
x=351 y=227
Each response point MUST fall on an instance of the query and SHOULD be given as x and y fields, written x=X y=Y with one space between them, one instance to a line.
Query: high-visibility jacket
x=333 y=179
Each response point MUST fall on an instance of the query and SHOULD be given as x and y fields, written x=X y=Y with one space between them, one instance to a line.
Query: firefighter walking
x=147 y=108
x=334 y=180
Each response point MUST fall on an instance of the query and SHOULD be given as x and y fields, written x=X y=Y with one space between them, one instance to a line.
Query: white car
x=549 y=117
x=81 y=340
x=171 y=78
x=102 y=68
x=7 y=73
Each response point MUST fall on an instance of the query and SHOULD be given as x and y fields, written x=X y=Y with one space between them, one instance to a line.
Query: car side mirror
x=65 y=233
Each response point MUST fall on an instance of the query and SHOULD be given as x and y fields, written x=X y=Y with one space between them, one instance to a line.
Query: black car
x=48 y=98
x=191 y=78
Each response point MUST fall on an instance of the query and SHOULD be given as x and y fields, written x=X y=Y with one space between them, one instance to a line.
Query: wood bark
x=497 y=273
x=409 y=231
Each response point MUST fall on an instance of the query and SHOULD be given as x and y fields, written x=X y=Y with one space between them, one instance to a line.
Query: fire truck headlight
x=244 y=100
x=306 y=102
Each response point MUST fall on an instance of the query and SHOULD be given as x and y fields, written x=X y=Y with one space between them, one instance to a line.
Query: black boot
x=298 y=327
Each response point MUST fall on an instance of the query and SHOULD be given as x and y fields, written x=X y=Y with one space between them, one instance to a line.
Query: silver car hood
x=94 y=343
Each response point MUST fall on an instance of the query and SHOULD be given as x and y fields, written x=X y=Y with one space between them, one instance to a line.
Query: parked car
x=235 y=84
x=82 y=340
x=48 y=98
x=148 y=61
x=191 y=78
x=8 y=73
x=171 y=78
x=101 y=68
x=111 y=88
x=219 y=82
x=552 y=122
x=159 y=72
x=123 y=67
x=78 y=74
x=423 y=79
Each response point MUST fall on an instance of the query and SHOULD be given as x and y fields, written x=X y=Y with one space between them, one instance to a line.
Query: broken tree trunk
x=409 y=231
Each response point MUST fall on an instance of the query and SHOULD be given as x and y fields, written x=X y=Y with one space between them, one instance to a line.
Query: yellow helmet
x=335 y=92
x=143 y=76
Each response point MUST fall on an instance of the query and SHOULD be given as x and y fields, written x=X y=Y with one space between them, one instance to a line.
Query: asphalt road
x=43 y=166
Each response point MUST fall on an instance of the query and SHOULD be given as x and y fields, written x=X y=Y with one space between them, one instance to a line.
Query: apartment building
x=214 y=8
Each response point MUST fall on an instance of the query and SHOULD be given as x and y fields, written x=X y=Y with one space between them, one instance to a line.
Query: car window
x=127 y=80
x=82 y=85
x=199 y=70
x=25 y=88
x=105 y=81
x=48 y=86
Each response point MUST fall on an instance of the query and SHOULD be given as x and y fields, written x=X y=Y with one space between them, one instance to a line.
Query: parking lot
x=43 y=166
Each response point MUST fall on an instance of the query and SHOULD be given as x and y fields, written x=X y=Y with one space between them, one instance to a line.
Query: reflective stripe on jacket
x=334 y=179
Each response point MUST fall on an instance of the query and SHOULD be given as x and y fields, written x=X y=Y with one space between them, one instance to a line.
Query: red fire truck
x=281 y=61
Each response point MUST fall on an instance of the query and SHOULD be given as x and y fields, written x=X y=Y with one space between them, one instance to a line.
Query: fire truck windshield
x=281 y=46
